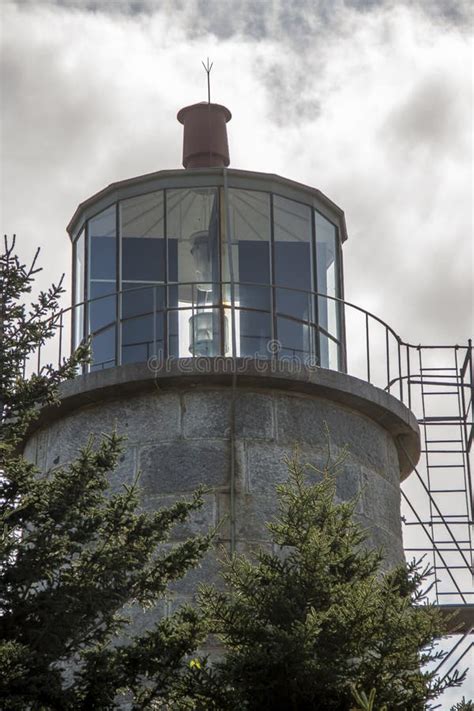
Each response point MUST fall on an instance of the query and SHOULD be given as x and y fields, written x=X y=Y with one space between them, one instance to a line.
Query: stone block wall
x=180 y=437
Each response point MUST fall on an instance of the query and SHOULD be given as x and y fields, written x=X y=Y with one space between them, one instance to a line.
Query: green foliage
x=308 y=625
x=76 y=560
x=366 y=703
x=463 y=705
x=24 y=329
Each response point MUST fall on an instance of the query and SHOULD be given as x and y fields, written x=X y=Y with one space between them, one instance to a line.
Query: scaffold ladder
x=447 y=439
x=442 y=397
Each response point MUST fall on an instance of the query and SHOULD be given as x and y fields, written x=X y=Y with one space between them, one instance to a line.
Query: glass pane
x=142 y=321
x=294 y=339
x=102 y=245
x=292 y=232
x=142 y=338
x=255 y=334
x=329 y=353
x=102 y=308
x=175 y=318
x=79 y=276
x=143 y=245
x=250 y=228
x=102 y=282
x=103 y=349
x=204 y=333
x=193 y=261
x=139 y=299
x=196 y=332
x=254 y=267
x=328 y=279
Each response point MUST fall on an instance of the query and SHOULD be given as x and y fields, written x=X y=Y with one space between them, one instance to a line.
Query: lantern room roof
x=204 y=177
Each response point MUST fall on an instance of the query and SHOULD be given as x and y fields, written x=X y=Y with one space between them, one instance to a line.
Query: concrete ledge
x=350 y=392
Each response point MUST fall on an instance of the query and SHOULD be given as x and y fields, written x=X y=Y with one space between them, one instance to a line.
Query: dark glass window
x=292 y=235
x=142 y=337
x=193 y=261
x=103 y=286
x=79 y=282
x=143 y=273
x=103 y=349
x=102 y=309
x=142 y=321
x=103 y=246
x=143 y=244
x=250 y=228
x=328 y=283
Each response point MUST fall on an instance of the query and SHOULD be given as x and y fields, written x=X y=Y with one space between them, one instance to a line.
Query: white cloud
x=370 y=102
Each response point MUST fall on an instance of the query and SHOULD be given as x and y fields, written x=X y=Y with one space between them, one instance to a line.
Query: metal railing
x=377 y=354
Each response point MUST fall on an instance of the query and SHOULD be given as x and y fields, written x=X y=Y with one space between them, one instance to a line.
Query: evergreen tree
x=463 y=705
x=318 y=623
x=74 y=556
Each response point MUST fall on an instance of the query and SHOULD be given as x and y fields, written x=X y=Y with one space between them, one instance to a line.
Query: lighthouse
x=213 y=299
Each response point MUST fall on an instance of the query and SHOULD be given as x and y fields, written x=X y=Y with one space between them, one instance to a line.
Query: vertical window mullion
x=342 y=319
x=165 y=316
x=274 y=333
x=316 y=288
x=220 y=289
x=85 y=315
x=74 y=294
x=118 y=285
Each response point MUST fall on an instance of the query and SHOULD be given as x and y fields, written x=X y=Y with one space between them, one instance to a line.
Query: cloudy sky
x=369 y=101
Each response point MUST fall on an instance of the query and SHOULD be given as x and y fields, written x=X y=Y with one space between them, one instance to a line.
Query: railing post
x=154 y=321
x=400 y=379
x=367 y=345
x=60 y=338
x=192 y=320
x=408 y=375
x=310 y=330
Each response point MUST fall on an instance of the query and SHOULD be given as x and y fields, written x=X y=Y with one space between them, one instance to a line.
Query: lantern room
x=208 y=261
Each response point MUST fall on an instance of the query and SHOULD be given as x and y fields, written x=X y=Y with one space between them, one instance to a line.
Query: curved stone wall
x=178 y=435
